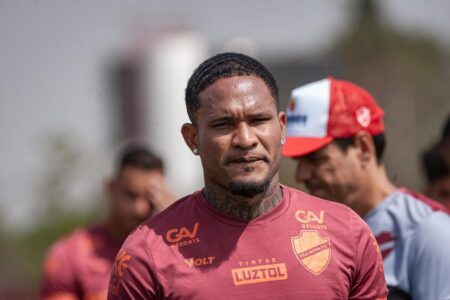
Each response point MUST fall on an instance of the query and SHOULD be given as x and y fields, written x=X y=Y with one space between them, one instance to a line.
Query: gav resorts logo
x=311 y=220
x=178 y=237
x=312 y=250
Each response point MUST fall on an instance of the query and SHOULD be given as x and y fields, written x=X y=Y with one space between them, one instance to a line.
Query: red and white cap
x=321 y=111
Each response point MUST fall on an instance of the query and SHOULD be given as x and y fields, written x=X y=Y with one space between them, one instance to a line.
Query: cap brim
x=299 y=146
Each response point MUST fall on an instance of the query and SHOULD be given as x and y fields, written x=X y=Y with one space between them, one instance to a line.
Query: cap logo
x=363 y=116
x=292 y=104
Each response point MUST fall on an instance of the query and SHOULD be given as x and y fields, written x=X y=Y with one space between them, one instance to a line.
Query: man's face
x=331 y=173
x=132 y=194
x=238 y=134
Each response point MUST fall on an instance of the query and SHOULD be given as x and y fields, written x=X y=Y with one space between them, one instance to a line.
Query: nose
x=244 y=136
x=304 y=170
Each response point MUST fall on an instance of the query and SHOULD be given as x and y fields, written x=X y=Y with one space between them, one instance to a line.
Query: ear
x=189 y=132
x=365 y=147
x=282 y=120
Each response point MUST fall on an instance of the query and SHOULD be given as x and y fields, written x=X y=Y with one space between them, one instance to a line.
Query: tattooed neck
x=240 y=209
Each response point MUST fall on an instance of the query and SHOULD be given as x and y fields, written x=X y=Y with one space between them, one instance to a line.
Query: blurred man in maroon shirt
x=78 y=266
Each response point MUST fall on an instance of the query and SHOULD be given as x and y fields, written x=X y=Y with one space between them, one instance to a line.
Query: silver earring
x=283 y=140
x=195 y=151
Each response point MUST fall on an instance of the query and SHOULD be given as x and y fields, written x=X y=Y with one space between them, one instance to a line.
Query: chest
x=290 y=261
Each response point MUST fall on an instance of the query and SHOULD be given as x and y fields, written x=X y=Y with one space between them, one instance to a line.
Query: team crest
x=312 y=250
x=363 y=116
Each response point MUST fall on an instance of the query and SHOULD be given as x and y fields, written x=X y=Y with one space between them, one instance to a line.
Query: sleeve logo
x=121 y=263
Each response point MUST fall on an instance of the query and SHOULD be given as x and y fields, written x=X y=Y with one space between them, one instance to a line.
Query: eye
x=130 y=194
x=222 y=124
x=260 y=120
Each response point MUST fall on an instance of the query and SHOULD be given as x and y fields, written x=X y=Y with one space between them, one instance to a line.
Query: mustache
x=246 y=158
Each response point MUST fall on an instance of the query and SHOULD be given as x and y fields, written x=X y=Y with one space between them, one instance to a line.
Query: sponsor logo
x=258 y=261
x=377 y=248
x=260 y=273
x=363 y=116
x=120 y=264
x=198 y=262
x=386 y=240
x=300 y=119
x=178 y=237
x=308 y=217
x=312 y=250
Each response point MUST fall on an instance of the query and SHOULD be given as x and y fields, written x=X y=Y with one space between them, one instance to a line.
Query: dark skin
x=242 y=210
x=237 y=134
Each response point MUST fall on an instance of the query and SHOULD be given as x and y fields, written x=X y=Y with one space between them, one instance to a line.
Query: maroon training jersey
x=306 y=248
x=79 y=265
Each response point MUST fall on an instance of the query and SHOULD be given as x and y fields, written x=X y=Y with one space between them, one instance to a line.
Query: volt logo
x=309 y=216
x=198 y=262
x=175 y=235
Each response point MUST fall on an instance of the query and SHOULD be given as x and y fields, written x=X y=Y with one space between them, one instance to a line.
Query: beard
x=248 y=189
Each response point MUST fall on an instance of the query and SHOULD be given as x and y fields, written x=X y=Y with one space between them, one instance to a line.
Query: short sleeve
x=429 y=259
x=58 y=275
x=369 y=281
x=132 y=275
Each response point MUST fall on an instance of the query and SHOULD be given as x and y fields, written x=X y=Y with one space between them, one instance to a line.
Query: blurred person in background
x=245 y=236
x=335 y=132
x=436 y=162
x=78 y=266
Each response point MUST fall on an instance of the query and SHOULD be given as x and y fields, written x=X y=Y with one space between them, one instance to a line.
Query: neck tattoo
x=241 y=210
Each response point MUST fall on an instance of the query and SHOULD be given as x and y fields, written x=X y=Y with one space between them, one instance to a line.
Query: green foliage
x=55 y=214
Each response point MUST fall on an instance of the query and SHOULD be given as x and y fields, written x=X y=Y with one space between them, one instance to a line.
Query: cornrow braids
x=224 y=65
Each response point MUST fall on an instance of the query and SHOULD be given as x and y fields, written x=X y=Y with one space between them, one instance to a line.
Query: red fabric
x=346 y=100
x=305 y=248
x=301 y=146
x=433 y=204
x=80 y=265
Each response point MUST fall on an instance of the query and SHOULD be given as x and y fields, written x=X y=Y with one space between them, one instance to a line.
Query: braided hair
x=224 y=65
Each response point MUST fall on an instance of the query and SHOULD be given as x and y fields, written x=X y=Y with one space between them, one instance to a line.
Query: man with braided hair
x=245 y=236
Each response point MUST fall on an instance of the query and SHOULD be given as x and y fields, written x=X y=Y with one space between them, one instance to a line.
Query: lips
x=245 y=159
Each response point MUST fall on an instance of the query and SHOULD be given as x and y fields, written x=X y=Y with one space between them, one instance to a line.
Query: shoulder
x=405 y=209
x=62 y=258
x=429 y=223
x=428 y=257
x=181 y=209
x=69 y=242
x=419 y=202
x=301 y=199
x=339 y=218
x=154 y=229
x=434 y=229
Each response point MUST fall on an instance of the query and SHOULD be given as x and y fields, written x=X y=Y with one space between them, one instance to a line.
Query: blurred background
x=78 y=79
